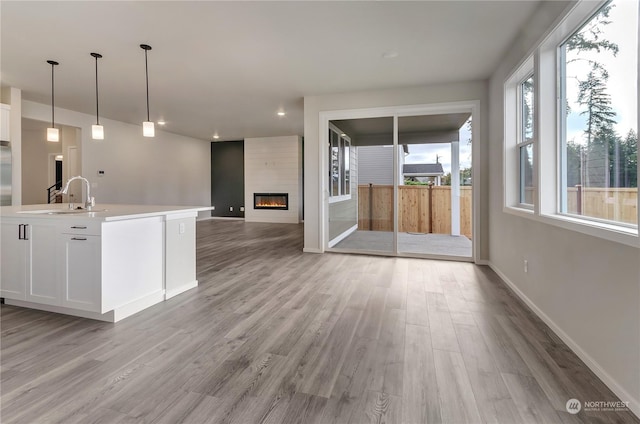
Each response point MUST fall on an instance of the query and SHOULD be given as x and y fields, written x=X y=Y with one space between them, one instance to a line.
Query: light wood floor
x=273 y=335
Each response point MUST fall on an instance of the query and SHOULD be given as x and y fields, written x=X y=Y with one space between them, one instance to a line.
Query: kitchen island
x=105 y=264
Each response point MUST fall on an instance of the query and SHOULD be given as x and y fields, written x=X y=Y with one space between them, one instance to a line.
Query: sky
x=622 y=83
x=426 y=153
x=622 y=86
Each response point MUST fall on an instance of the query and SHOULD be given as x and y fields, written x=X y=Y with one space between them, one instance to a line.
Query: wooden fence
x=375 y=209
x=617 y=204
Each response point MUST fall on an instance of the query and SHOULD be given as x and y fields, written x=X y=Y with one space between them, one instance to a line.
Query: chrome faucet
x=91 y=201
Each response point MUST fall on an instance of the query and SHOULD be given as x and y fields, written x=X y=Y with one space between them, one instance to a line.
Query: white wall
x=444 y=93
x=586 y=288
x=273 y=165
x=168 y=169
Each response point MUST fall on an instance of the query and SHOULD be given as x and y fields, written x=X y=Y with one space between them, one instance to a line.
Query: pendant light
x=148 y=129
x=53 y=134
x=97 y=130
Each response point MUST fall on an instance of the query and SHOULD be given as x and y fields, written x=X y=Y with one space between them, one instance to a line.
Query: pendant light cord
x=146 y=71
x=52 y=100
x=97 y=103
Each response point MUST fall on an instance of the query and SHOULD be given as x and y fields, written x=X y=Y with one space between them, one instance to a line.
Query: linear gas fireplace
x=278 y=201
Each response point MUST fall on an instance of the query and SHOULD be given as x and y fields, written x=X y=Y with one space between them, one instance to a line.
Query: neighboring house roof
x=422 y=169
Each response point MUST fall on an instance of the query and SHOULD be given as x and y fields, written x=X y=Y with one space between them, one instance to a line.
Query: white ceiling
x=228 y=67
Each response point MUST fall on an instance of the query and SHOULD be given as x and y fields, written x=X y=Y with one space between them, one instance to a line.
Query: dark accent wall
x=227 y=178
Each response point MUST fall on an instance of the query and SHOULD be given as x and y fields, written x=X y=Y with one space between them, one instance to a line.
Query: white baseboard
x=107 y=316
x=169 y=293
x=343 y=236
x=607 y=379
x=228 y=218
x=137 y=305
x=114 y=315
x=312 y=250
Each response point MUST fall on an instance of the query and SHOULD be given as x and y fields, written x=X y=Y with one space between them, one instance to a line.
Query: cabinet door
x=13 y=265
x=81 y=276
x=42 y=277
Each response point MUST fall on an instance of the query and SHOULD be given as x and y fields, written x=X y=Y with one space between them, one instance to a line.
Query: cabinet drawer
x=85 y=228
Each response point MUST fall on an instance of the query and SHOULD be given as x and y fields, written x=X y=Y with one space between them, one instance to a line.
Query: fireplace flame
x=270 y=203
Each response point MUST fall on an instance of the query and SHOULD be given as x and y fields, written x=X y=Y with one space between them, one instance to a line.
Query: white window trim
x=341 y=197
x=520 y=143
x=549 y=129
x=512 y=138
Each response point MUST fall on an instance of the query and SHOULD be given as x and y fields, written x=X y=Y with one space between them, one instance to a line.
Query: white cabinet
x=49 y=264
x=42 y=286
x=93 y=266
x=80 y=272
x=5 y=119
x=29 y=262
x=13 y=268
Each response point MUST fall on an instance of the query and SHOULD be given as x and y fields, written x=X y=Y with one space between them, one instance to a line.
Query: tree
x=593 y=163
x=589 y=39
x=574 y=163
x=629 y=167
x=592 y=94
x=465 y=177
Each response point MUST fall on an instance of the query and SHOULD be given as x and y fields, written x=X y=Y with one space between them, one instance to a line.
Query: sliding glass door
x=362 y=220
x=401 y=185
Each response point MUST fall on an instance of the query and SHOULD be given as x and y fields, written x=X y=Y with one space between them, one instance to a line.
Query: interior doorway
x=411 y=178
x=48 y=165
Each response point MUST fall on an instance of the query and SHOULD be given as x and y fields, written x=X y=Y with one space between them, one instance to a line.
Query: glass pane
x=434 y=198
x=527 y=109
x=363 y=221
x=527 y=185
x=334 y=160
x=601 y=141
x=346 y=189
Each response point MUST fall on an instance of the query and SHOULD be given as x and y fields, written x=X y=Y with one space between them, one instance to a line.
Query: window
x=599 y=117
x=520 y=139
x=526 y=133
x=339 y=164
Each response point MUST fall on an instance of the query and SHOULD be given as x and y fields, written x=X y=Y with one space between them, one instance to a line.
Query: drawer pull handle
x=78 y=238
x=79 y=227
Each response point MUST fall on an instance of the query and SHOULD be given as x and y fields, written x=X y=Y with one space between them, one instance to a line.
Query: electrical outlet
x=230 y=208
x=526 y=266
x=181 y=228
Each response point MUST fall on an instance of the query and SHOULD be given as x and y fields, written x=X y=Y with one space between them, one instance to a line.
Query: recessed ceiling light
x=216 y=136
x=281 y=113
x=161 y=122
x=343 y=135
x=390 y=54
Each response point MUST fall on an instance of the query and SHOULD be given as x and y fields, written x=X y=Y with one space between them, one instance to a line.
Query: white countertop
x=100 y=212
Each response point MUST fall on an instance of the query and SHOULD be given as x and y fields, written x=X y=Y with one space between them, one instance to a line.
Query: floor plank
x=274 y=335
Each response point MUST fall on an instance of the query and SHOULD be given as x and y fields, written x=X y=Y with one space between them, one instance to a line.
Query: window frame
x=513 y=138
x=344 y=146
x=549 y=150
x=522 y=142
